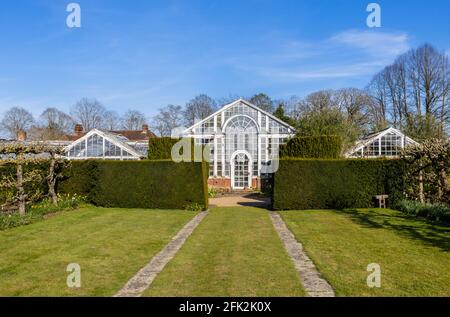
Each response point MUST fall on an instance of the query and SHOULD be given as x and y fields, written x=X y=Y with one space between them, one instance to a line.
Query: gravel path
x=249 y=200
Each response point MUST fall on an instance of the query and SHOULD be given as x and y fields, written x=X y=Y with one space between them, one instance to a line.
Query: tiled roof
x=136 y=135
x=131 y=135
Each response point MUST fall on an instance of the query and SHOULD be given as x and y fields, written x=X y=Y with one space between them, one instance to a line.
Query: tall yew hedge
x=161 y=148
x=326 y=146
x=321 y=184
x=139 y=184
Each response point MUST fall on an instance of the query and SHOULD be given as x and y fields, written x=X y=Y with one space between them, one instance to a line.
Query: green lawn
x=110 y=245
x=414 y=255
x=233 y=252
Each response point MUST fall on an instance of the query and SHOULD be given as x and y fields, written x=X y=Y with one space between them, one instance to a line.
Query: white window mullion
x=379 y=146
x=267 y=150
x=223 y=155
x=215 y=153
x=103 y=154
x=259 y=156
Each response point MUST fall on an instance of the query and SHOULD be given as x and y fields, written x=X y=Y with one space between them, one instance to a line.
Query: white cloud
x=348 y=54
x=376 y=43
x=322 y=72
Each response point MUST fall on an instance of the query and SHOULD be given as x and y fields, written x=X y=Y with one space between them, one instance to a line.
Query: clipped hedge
x=161 y=148
x=322 y=184
x=139 y=184
x=326 y=146
x=81 y=178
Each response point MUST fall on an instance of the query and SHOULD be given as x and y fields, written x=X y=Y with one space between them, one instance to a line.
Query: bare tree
x=413 y=92
x=54 y=119
x=133 y=120
x=168 y=118
x=111 y=121
x=356 y=105
x=331 y=112
x=295 y=107
x=53 y=124
x=429 y=64
x=220 y=102
x=15 y=120
x=198 y=108
x=263 y=102
x=321 y=100
x=89 y=112
x=377 y=89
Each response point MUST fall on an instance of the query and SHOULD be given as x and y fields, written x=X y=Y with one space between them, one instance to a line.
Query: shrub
x=212 y=192
x=37 y=211
x=8 y=221
x=434 y=212
x=65 y=202
x=326 y=146
x=194 y=207
x=139 y=184
x=322 y=184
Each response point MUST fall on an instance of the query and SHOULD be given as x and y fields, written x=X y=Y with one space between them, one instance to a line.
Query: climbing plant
x=428 y=167
x=32 y=164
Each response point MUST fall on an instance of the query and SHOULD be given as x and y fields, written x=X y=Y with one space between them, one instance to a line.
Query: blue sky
x=146 y=54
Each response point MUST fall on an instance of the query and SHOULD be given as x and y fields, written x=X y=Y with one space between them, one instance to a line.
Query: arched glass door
x=241 y=171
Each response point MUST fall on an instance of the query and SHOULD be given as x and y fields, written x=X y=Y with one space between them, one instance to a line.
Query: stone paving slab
x=311 y=279
x=144 y=278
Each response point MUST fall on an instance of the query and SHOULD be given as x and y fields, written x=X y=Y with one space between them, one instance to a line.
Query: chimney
x=145 y=128
x=21 y=136
x=78 y=131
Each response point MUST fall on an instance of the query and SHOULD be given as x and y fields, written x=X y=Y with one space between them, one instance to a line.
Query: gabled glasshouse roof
x=388 y=143
x=238 y=102
x=101 y=144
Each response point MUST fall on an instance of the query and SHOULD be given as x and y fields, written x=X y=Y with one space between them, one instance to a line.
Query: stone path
x=235 y=200
x=144 y=278
x=313 y=283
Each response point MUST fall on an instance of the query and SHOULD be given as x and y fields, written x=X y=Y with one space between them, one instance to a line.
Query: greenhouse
x=243 y=141
x=386 y=143
x=98 y=144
